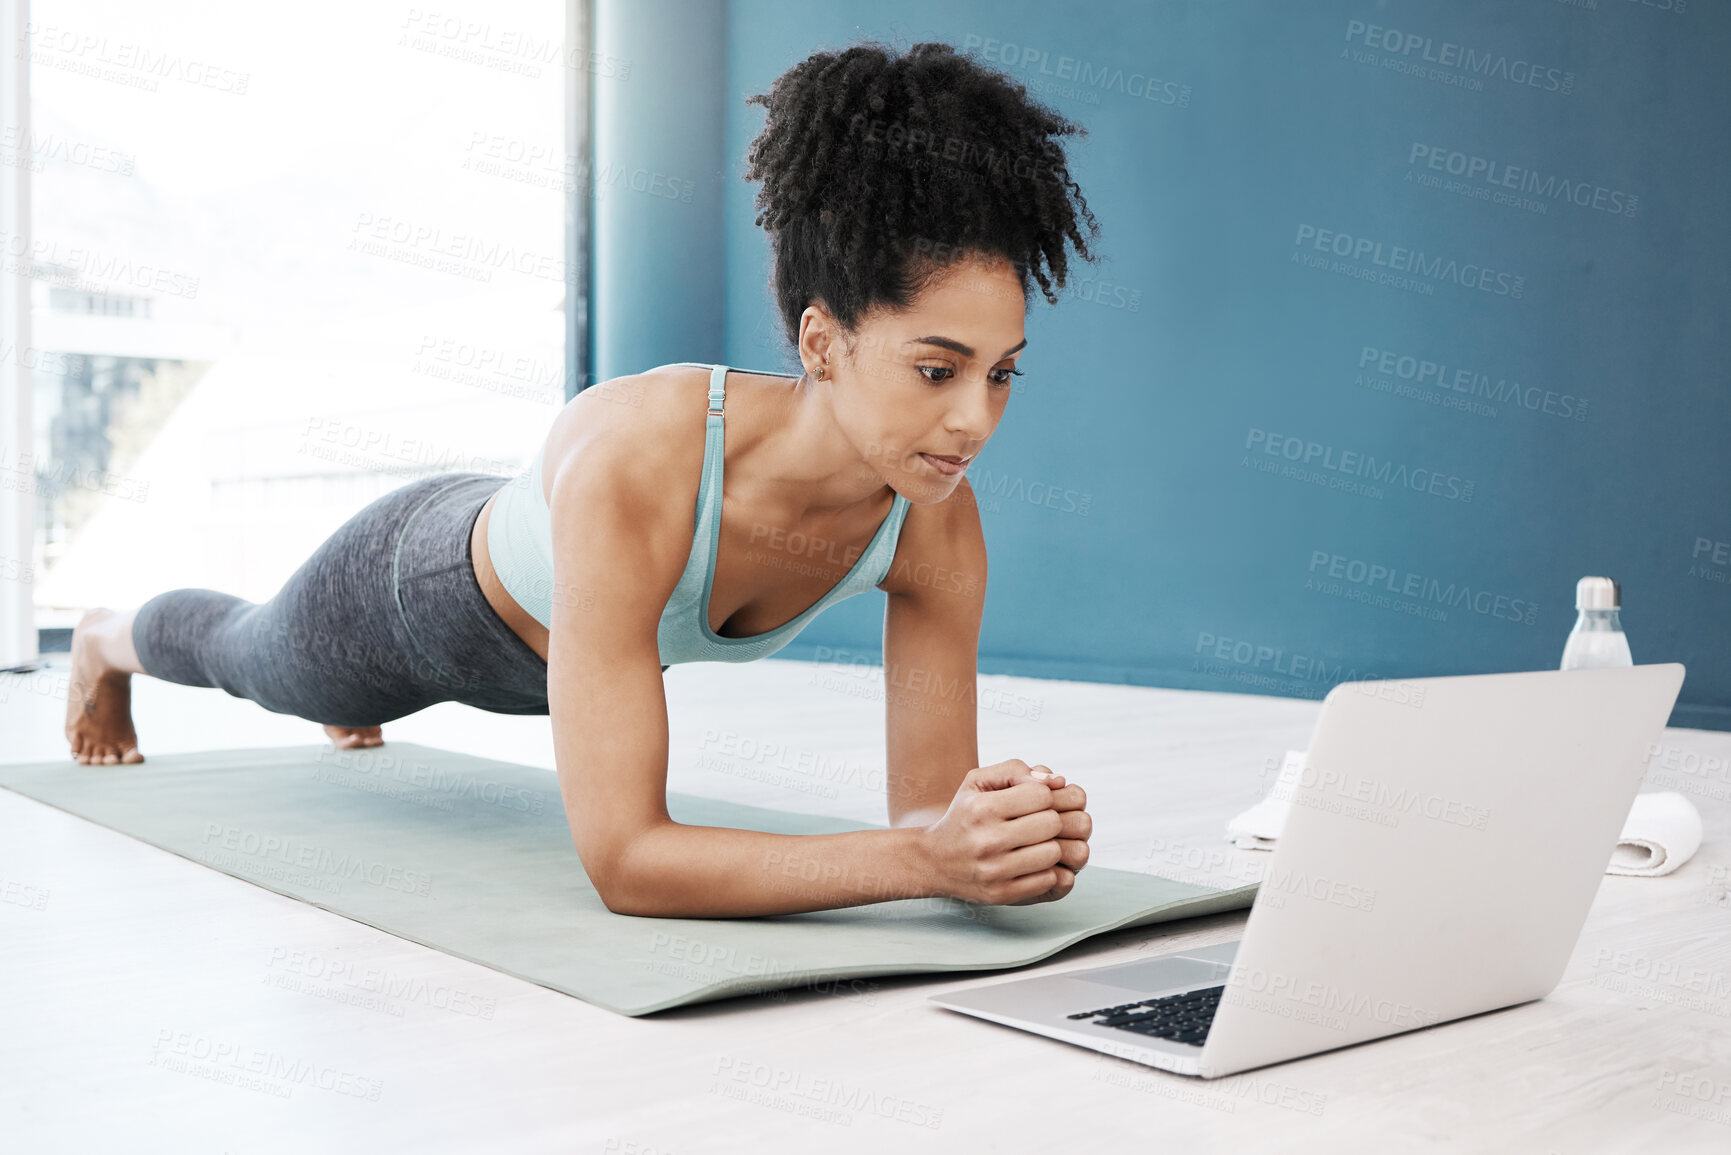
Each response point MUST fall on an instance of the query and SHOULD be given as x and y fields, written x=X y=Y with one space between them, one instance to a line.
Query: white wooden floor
x=144 y=994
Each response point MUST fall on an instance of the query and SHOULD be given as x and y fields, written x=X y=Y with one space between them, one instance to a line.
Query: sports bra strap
x=717 y=389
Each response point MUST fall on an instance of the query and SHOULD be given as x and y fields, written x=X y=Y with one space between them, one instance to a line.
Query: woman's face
x=932 y=380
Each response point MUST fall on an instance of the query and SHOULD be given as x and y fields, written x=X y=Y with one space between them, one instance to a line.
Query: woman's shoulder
x=658 y=417
x=629 y=437
x=620 y=469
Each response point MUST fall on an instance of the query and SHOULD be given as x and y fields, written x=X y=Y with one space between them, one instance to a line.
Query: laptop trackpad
x=1158 y=974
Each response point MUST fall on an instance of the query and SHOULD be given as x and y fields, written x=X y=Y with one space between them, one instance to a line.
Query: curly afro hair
x=880 y=171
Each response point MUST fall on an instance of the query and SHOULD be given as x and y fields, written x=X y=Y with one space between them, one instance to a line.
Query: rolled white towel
x=1259 y=827
x=1661 y=833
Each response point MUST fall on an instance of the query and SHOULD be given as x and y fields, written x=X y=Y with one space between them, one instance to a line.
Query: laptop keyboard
x=1183 y=1018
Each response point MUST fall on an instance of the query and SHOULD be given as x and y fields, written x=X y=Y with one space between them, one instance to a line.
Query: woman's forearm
x=672 y=870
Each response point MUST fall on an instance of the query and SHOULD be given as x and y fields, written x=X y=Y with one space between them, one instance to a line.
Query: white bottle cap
x=1598 y=593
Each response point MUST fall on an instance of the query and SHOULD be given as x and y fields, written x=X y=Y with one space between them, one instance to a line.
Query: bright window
x=285 y=259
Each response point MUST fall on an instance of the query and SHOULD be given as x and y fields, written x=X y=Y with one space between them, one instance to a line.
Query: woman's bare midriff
x=756 y=612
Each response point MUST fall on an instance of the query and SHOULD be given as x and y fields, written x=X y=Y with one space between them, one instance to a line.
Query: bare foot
x=98 y=700
x=350 y=737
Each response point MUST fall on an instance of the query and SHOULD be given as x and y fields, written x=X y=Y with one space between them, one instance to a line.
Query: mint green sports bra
x=520 y=542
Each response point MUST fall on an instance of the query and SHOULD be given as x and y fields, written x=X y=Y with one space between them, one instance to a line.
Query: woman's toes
x=351 y=737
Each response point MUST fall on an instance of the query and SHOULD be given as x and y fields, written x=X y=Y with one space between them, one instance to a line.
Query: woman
x=908 y=200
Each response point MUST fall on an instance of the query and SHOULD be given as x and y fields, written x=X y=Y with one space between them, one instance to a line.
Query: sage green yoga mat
x=473 y=857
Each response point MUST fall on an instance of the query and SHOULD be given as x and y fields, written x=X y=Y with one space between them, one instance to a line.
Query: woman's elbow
x=615 y=877
x=617 y=902
x=622 y=898
x=605 y=877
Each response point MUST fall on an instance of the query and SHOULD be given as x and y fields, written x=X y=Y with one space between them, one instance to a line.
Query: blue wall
x=1340 y=402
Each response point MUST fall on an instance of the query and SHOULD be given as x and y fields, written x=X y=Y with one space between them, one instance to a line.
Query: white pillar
x=17 y=475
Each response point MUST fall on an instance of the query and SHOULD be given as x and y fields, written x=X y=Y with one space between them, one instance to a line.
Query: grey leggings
x=385 y=618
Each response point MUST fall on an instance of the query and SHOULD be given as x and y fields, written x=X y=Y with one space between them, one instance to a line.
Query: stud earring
x=820 y=372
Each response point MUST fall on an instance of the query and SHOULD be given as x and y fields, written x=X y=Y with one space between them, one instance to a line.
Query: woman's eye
x=996 y=379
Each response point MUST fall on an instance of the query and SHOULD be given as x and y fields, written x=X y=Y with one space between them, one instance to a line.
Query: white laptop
x=1444 y=844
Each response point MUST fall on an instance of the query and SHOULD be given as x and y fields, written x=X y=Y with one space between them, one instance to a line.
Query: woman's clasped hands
x=1013 y=835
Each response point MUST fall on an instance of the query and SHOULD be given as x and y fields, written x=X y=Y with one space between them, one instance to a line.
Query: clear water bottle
x=1597 y=639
